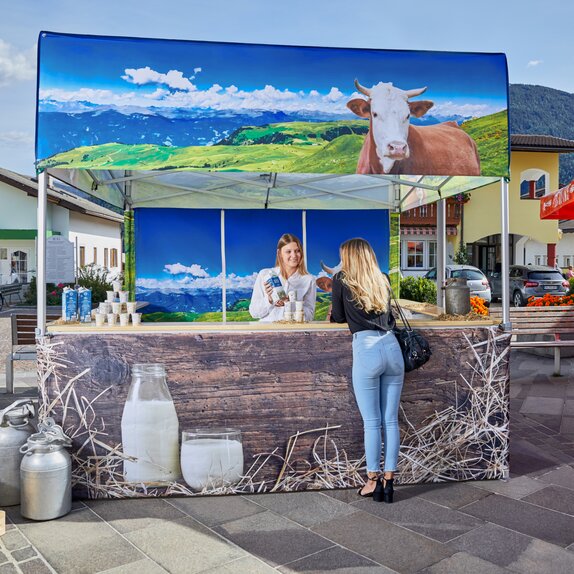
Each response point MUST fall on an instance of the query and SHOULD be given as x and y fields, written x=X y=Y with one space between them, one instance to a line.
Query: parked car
x=526 y=281
x=475 y=279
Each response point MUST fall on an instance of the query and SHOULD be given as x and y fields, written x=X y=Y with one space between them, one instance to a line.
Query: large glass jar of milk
x=211 y=458
x=150 y=429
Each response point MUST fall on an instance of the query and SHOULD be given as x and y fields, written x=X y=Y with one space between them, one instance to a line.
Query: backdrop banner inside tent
x=196 y=279
x=146 y=104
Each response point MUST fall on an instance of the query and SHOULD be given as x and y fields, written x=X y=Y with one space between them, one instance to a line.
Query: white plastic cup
x=288 y=316
x=131 y=306
x=292 y=296
x=124 y=296
x=116 y=308
x=136 y=318
x=110 y=296
x=116 y=286
x=112 y=318
x=124 y=319
x=100 y=319
x=288 y=307
x=298 y=306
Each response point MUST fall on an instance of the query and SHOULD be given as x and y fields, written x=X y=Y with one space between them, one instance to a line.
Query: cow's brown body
x=440 y=149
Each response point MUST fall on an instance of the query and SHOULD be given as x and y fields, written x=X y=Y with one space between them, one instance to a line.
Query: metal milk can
x=457 y=296
x=15 y=429
x=46 y=473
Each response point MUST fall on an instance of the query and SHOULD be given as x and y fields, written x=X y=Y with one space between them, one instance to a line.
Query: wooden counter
x=273 y=382
x=247 y=327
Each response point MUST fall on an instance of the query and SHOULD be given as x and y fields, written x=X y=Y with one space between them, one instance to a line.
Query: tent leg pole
x=440 y=251
x=505 y=255
x=41 y=254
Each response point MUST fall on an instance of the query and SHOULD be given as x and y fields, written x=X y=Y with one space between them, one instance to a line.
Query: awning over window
x=426 y=230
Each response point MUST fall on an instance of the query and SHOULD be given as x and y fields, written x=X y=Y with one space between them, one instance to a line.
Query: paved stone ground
x=525 y=524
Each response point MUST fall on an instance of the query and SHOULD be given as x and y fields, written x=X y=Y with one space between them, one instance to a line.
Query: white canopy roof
x=240 y=190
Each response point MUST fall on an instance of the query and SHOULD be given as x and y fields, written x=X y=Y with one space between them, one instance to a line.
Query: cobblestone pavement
x=525 y=524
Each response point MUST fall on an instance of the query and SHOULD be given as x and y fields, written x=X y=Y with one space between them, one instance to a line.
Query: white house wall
x=93 y=232
x=536 y=252
x=18 y=211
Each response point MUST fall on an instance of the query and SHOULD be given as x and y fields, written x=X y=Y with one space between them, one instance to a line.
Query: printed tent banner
x=558 y=205
x=107 y=103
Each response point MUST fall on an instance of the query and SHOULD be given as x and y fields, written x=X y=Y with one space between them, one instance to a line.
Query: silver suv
x=529 y=281
x=475 y=279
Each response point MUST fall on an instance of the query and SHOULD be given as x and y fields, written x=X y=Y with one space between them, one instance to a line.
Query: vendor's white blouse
x=303 y=285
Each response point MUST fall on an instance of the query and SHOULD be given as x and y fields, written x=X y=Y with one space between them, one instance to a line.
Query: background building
x=473 y=220
x=94 y=230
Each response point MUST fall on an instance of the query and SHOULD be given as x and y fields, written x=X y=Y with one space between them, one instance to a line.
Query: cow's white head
x=389 y=110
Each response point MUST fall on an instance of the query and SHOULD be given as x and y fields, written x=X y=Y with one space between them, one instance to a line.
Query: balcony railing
x=426 y=214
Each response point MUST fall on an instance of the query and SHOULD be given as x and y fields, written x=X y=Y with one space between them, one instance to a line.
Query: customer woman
x=361 y=298
x=291 y=270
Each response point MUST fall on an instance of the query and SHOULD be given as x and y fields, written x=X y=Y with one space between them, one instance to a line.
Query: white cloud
x=174 y=79
x=100 y=97
x=335 y=94
x=534 y=63
x=16 y=138
x=16 y=66
x=467 y=110
x=187 y=283
x=173 y=90
x=194 y=269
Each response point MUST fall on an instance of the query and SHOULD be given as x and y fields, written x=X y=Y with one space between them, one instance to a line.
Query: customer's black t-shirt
x=345 y=310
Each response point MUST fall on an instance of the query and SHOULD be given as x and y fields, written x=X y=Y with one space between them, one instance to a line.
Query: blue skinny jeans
x=378 y=374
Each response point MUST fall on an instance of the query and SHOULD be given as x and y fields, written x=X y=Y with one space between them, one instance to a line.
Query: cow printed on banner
x=393 y=145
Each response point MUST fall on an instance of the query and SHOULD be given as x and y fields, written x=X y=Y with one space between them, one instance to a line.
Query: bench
x=9 y=291
x=556 y=324
x=23 y=343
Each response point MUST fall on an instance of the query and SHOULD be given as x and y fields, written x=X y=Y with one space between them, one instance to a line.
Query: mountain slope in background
x=544 y=111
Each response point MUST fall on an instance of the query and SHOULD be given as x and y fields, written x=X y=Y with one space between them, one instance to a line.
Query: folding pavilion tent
x=75 y=93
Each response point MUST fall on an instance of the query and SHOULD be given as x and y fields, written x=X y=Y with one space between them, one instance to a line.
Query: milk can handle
x=15 y=405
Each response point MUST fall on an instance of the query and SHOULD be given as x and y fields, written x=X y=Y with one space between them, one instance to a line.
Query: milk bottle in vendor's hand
x=278 y=293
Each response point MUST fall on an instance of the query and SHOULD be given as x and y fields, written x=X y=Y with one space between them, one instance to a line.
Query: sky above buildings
x=535 y=36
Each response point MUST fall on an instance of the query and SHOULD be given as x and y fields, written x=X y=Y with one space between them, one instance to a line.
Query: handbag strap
x=400 y=309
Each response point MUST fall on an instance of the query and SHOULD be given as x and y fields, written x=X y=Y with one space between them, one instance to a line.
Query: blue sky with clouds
x=536 y=36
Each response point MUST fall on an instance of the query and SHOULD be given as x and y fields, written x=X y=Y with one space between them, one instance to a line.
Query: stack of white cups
x=117 y=308
x=293 y=309
x=299 y=313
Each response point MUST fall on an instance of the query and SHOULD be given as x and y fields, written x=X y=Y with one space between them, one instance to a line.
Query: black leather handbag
x=415 y=348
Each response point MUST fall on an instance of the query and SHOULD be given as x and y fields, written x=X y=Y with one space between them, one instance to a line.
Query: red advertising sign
x=558 y=205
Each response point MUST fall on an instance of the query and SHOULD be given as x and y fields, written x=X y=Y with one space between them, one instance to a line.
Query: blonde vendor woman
x=291 y=270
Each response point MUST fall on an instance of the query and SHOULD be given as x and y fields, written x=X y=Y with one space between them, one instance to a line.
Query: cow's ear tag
x=360 y=107
x=420 y=108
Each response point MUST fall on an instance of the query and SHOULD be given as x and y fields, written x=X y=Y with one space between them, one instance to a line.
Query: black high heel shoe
x=384 y=491
x=368 y=494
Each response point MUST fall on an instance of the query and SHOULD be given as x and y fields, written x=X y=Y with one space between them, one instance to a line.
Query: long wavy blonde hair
x=285 y=239
x=361 y=273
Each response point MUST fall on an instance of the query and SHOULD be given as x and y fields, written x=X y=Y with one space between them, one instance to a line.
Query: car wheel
x=518 y=299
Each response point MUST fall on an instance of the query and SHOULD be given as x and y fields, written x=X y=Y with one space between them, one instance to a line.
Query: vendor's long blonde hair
x=285 y=239
x=361 y=273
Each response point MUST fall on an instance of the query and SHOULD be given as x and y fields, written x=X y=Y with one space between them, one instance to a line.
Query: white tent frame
x=268 y=182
